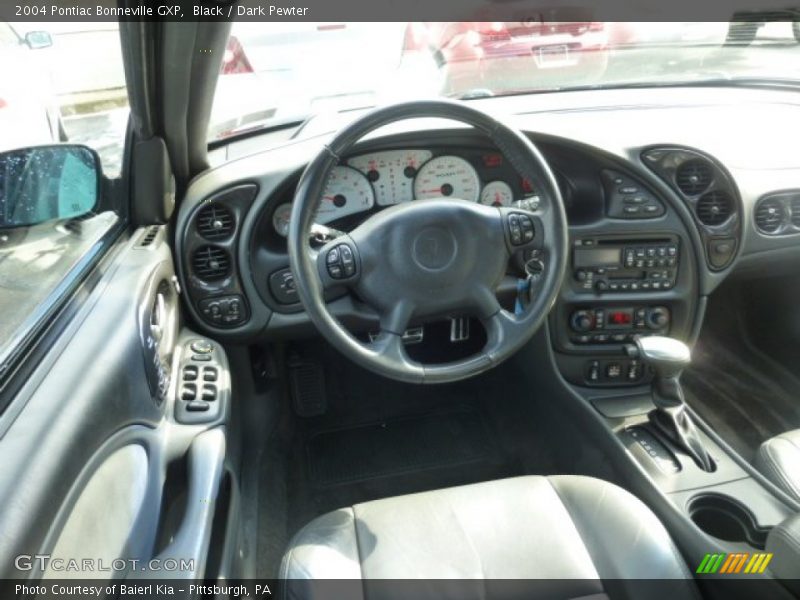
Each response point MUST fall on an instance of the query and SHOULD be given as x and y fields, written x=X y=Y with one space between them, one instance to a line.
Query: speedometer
x=347 y=192
x=447 y=177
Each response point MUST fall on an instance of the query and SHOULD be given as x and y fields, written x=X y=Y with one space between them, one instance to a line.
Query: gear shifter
x=668 y=357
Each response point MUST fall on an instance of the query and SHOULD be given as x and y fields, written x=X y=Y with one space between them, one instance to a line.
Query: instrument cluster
x=380 y=179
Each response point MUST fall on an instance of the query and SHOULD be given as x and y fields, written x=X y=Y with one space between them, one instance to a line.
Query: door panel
x=90 y=442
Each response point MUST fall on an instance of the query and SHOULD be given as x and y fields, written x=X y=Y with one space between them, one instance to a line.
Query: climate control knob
x=582 y=320
x=657 y=317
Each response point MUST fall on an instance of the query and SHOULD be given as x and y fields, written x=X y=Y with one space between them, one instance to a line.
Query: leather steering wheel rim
x=448 y=224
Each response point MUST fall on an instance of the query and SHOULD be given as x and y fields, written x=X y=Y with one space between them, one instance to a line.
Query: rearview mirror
x=36 y=40
x=47 y=183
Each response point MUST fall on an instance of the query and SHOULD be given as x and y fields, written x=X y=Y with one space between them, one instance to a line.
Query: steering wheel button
x=346 y=254
x=333 y=256
x=335 y=271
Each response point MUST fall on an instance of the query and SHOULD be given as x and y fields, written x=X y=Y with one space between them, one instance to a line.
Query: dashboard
x=662 y=199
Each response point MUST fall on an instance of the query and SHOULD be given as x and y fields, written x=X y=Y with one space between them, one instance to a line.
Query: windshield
x=281 y=72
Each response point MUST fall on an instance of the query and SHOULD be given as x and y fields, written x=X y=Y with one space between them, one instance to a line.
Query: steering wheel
x=430 y=258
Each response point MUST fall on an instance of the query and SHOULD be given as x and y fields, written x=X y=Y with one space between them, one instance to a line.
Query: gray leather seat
x=591 y=535
x=779 y=460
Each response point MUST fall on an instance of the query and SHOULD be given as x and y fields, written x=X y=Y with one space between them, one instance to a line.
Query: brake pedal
x=307 y=387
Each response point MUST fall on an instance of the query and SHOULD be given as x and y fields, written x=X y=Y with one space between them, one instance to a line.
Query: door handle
x=190 y=544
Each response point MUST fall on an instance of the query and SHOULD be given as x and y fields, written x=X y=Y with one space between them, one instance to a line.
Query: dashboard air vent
x=769 y=215
x=795 y=206
x=714 y=208
x=211 y=263
x=693 y=177
x=215 y=222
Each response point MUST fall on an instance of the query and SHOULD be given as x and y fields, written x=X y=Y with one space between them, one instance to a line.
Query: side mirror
x=36 y=40
x=47 y=183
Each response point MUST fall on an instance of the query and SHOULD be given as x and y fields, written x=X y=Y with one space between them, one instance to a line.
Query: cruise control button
x=335 y=271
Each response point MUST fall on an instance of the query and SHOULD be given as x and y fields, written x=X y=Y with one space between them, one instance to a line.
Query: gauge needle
x=329 y=198
x=439 y=190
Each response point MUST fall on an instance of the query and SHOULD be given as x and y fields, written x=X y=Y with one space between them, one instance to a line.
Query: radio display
x=597 y=257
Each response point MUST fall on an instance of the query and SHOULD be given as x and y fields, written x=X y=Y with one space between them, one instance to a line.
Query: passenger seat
x=779 y=460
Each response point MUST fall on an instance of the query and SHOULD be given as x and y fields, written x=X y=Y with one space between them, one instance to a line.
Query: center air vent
x=714 y=208
x=211 y=263
x=215 y=222
x=693 y=177
x=769 y=215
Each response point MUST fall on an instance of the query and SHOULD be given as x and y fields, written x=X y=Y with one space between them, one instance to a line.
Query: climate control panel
x=617 y=324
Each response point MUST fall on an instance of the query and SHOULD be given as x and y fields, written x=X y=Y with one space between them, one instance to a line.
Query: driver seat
x=593 y=537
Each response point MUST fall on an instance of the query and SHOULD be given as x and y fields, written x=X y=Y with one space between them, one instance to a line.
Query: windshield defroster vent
x=215 y=222
x=714 y=208
x=211 y=263
x=693 y=177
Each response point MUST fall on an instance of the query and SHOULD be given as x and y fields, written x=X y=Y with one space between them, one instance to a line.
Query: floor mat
x=399 y=446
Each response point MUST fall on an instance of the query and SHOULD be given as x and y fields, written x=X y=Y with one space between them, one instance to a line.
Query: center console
x=619 y=287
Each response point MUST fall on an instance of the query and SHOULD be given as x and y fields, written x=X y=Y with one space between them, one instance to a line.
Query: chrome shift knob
x=667 y=356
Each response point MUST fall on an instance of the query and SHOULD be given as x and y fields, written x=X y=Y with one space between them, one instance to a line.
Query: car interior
x=548 y=340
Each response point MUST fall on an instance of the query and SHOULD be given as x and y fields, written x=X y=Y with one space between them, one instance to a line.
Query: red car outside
x=482 y=58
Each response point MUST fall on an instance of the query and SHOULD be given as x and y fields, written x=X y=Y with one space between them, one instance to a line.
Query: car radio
x=623 y=265
x=617 y=324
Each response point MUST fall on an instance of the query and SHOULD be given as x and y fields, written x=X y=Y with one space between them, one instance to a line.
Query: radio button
x=601 y=286
x=613 y=286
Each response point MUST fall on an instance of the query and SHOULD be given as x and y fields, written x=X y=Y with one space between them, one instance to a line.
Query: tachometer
x=447 y=177
x=497 y=193
x=392 y=173
x=281 y=217
x=347 y=192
